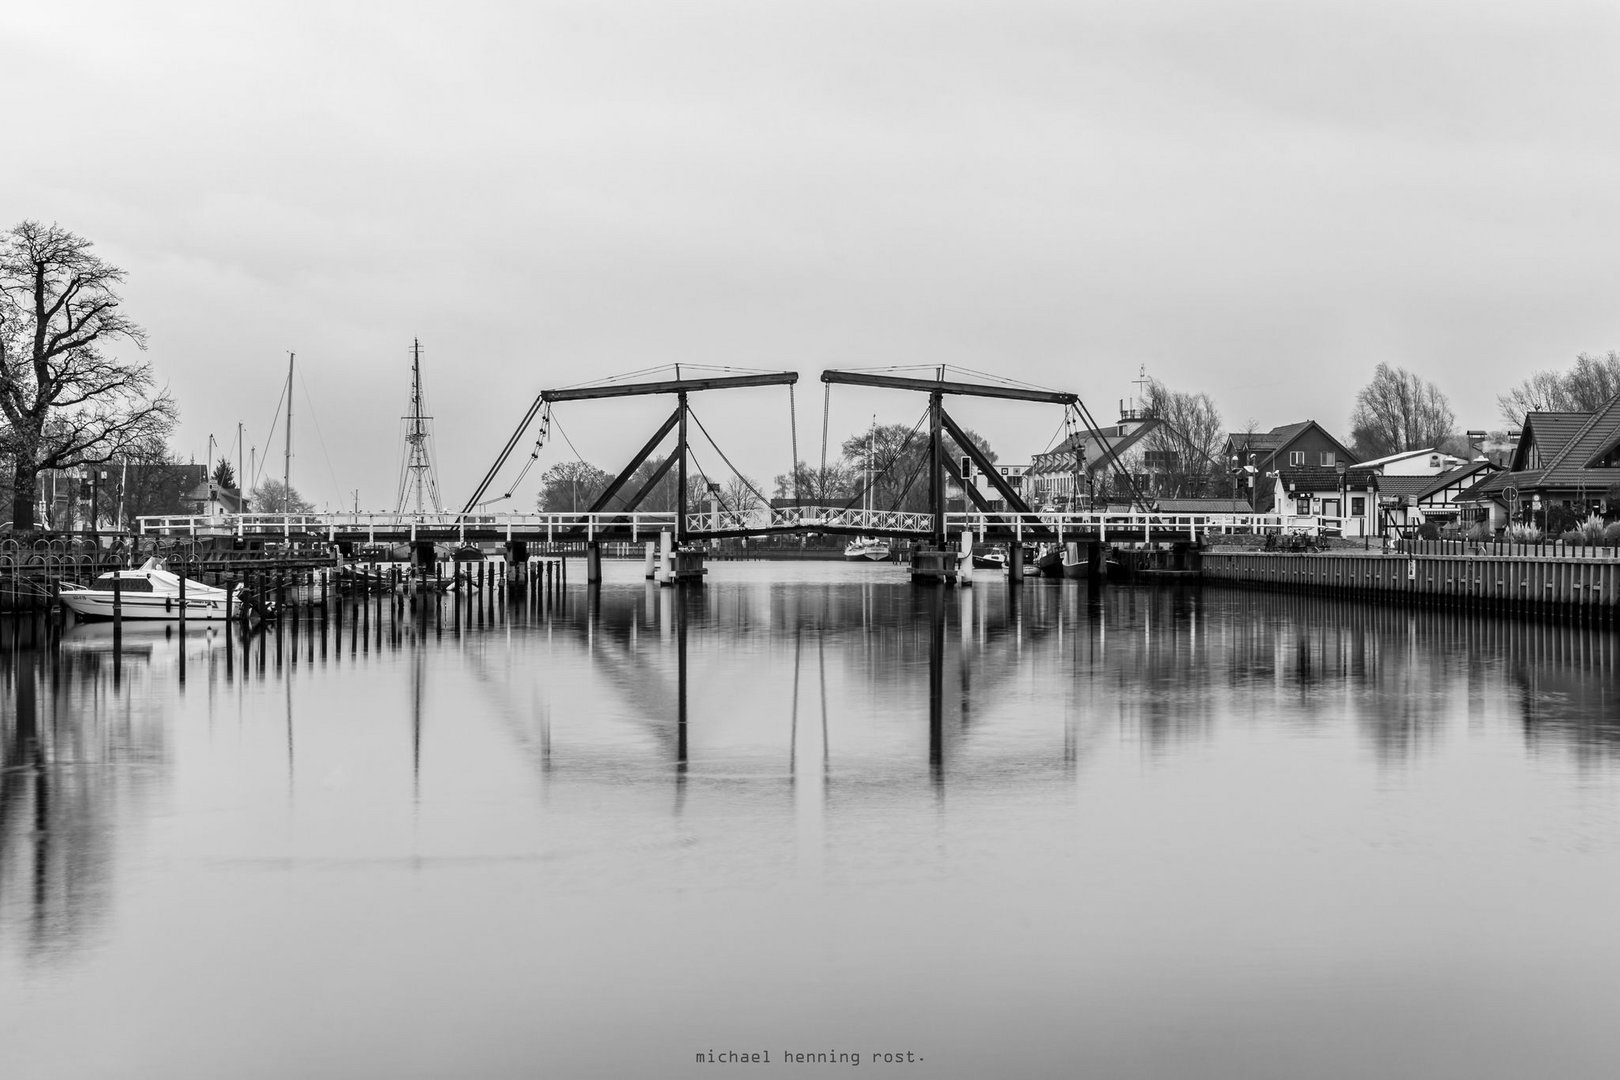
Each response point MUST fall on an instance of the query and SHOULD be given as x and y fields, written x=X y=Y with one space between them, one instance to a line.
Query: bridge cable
x=534 y=455
x=898 y=454
x=737 y=472
x=793 y=421
x=821 y=478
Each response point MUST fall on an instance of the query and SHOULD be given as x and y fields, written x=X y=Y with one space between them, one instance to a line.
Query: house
x=1430 y=462
x=212 y=499
x=1346 y=493
x=1254 y=458
x=1413 y=500
x=1082 y=469
x=1566 y=466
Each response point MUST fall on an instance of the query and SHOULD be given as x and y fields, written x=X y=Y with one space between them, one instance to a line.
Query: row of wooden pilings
x=1590 y=586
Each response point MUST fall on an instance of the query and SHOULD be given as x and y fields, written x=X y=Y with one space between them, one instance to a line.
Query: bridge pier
x=652 y=561
x=517 y=563
x=1015 y=563
x=1096 y=561
x=593 y=562
x=422 y=555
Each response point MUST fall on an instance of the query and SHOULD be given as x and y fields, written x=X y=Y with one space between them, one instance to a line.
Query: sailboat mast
x=286 y=460
x=416 y=435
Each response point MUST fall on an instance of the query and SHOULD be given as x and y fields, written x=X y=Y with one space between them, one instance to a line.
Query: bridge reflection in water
x=598 y=730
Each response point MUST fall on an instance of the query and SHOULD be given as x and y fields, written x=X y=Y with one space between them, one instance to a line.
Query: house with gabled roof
x=1413 y=500
x=1348 y=494
x=1254 y=458
x=1564 y=461
x=1427 y=462
x=1083 y=465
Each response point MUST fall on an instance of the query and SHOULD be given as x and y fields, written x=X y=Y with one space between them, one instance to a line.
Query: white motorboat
x=873 y=548
x=149 y=592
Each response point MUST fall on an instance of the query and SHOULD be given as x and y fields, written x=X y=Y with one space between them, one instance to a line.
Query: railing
x=399 y=526
x=389 y=527
x=1134 y=523
x=810 y=519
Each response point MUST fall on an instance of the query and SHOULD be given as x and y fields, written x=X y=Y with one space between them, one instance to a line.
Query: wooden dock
x=1548 y=584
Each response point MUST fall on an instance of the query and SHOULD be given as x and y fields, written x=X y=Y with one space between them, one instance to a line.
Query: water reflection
x=827 y=695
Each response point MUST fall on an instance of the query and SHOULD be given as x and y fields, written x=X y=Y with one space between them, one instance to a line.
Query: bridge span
x=472 y=528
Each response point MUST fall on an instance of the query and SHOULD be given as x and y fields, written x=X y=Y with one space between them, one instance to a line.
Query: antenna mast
x=286 y=460
x=419 y=474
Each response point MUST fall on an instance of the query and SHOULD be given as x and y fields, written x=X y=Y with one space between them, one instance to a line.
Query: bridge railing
x=396 y=527
x=1124 y=525
x=810 y=519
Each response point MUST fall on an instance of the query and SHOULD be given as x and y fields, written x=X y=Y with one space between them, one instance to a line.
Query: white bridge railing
x=395 y=527
x=381 y=527
x=810 y=519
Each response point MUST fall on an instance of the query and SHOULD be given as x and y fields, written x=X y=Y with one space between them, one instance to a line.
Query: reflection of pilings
x=936 y=685
x=679 y=603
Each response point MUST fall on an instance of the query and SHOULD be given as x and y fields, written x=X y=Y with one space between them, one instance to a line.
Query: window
x=1296 y=457
x=1325 y=459
x=1358 y=506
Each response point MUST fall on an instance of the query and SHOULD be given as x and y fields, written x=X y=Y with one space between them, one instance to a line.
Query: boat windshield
x=129 y=584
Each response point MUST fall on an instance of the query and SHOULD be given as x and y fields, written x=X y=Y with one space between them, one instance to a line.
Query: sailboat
x=869 y=548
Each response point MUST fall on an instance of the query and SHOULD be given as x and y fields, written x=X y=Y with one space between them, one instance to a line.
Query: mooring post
x=1015 y=563
x=593 y=562
x=666 y=558
x=652 y=560
x=964 y=558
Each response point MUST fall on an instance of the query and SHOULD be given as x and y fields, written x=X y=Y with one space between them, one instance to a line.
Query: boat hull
x=95 y=605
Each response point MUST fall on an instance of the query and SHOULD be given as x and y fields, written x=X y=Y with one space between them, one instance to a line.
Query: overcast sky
x=1262 y=201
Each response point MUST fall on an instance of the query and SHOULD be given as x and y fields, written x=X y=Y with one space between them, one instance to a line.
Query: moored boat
x=870 y=548
x=989 y=558
x=148 y=592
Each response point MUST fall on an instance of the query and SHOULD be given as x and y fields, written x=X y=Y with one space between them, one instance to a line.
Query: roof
x=1403 y=485
x=1404 y=454
x=1569 y=443
x=1279 y=437
x=1328 y=478
x=1551 y=432
x=1441 y=481
x=1098 y=455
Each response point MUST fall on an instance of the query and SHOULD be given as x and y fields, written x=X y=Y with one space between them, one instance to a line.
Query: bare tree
x=274 y=497
x=830 y=486
x=1399 y=411
x=65 y=401
x=571 y=487
x=1590 y=381
x=1188 y=440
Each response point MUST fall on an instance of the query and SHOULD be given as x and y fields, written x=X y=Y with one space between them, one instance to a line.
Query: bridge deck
x=551 y=528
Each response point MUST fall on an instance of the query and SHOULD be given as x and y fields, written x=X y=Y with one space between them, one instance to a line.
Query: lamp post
x=1344 y=496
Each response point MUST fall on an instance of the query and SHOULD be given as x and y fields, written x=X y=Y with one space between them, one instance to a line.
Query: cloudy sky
x=1262 y=201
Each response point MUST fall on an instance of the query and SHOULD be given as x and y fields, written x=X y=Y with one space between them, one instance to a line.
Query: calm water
x=811 y=809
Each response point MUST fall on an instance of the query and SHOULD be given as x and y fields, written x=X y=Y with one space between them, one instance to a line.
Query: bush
x=1522 y=534
x=1611 y=533
x=1428 y=531
x=1591 y=530
x=1479 y=530
x=1572 y=537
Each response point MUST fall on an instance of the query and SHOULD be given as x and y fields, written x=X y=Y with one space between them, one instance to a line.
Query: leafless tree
x=1590 y=381
x=571 y=487
x=829 y=487
x=1189 y=439
x=66 y=402
x=274 y=497
x=1399 y=411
